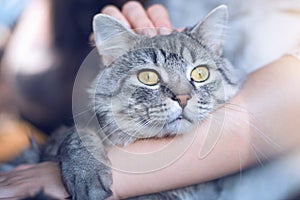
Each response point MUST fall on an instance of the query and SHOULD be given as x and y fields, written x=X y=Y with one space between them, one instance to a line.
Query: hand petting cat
x=133 y=15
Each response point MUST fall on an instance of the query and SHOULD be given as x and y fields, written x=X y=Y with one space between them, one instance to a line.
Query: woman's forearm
x=261 y=121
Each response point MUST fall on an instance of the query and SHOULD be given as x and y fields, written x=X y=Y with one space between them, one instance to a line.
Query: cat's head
x=163 y=85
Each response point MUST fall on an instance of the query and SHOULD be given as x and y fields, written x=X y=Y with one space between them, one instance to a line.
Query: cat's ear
x=212 y=29
x=112 y=38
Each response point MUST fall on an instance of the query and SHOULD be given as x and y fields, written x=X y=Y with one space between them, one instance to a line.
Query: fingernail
x=180 y=29
x=150 y=32
x=164 y=31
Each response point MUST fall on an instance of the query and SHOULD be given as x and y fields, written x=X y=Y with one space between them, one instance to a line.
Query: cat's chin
x=179 y=126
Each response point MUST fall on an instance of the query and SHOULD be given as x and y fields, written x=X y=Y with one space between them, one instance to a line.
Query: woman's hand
x=27 y=180
x=154 y=20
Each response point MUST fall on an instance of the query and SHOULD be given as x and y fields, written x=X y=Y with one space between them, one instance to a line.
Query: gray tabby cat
x=152 y=87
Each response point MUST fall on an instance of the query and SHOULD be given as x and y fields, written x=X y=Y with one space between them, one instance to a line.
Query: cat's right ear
x=212 y=29
x=111 y=37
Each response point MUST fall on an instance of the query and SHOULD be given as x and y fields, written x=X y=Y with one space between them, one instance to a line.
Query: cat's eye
x=200 y=73
x=148 y=77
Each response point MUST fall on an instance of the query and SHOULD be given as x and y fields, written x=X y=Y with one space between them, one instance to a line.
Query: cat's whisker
x=91 y=118
x=228 y=103
x=240 y=109
x=154 y=126
x=229 y=131
x=251 y=125
x=252 y=146
x=81 y=113
x=106 y=136
x=255 y=149
x=87 y=124
x=155 y=132
x=236 y=108
x=133 y=133
x=262 y=135
x=146 y=125
x=140 y=127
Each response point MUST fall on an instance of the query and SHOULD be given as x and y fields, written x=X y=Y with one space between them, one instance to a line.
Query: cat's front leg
x=85 y=166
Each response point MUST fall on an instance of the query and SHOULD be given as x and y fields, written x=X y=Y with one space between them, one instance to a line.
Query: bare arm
x=267 y=123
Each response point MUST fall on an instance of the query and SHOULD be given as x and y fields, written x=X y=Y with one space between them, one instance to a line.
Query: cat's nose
x=182 y=99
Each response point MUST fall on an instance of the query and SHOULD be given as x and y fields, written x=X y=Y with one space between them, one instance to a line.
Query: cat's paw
x=85 y=170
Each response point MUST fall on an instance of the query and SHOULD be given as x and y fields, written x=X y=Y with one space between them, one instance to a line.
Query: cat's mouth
x=181 y=118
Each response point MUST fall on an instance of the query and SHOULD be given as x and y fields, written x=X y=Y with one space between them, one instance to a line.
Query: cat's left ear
x=212 y=29
x=112 y=38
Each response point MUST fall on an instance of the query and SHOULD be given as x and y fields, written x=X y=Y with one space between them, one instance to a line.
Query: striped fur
x=129 y=110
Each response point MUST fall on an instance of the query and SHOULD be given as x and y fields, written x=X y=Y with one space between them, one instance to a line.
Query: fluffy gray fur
x=128 y=110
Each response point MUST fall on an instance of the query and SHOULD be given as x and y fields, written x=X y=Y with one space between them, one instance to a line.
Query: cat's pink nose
x=182 y=99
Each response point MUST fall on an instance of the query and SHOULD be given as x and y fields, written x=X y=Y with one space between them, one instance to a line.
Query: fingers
x=14 y=192
x=116 y=13
x=27 y=180
x=160 y=18
x=154 y=20
x=138 y=18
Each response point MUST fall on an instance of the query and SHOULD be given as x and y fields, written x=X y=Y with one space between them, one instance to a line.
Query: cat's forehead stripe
x=163 y=53
x=152 y=54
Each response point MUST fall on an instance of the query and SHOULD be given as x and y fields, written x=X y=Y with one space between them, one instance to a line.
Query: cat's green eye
x=200 y=73
x=148 y=77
